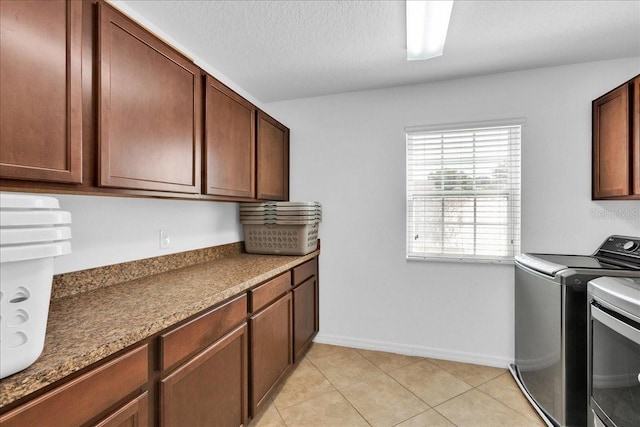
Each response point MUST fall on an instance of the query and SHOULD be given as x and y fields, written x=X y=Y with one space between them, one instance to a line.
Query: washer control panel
x=622 y=245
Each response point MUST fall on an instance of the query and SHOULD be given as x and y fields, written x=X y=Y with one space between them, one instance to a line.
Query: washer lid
x=551 y=264
x=535 y=263
x=618 y=293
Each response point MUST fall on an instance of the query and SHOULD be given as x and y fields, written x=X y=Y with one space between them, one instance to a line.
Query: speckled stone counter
x=88 y=326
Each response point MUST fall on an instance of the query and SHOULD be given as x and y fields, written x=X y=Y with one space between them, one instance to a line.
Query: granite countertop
x=87 y=327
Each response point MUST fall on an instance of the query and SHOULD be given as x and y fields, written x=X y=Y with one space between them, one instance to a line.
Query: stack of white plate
x=281 y=228
x=33 y=230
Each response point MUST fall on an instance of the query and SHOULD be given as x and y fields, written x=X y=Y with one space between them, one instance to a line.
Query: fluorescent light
x=427 y=25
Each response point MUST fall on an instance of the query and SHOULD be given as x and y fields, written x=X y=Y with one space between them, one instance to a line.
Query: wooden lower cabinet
x=305 y=318
x=271 y=354
x=211 y=388
x=95 y=395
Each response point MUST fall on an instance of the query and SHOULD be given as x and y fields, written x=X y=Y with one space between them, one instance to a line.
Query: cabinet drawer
x=86 y=397
x=199 y=333
x=304 y=271
x=269 y=291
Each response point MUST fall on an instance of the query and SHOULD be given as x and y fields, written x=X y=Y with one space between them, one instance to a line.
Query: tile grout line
x=305 y=400
x=355 y=409
x=429 y=407
x=453 y=397
x=424 y=359
x=506 y=404
x=387 y=374
x=339 y=392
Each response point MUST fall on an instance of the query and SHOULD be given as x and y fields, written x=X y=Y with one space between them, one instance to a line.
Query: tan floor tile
x=471 y=374
x=346 y=367
x=316 y=350
x=382 y=401
x=474 y=408
x=505 y=389
x=268 y=417
x=429 y=382
x=430 y=418
x=388 y=361
x=328 y=410
x=304 y=383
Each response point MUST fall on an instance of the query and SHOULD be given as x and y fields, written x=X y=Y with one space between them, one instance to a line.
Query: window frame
x=472 y=195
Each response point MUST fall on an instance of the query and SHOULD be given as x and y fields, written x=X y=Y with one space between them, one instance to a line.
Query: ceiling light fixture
x=427 y=25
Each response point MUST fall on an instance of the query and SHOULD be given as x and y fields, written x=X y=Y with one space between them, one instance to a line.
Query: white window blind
x=463 y=193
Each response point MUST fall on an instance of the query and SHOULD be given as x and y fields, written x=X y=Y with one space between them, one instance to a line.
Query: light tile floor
x=338 y=386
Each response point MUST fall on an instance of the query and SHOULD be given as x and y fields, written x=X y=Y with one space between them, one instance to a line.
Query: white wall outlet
x=165 y=240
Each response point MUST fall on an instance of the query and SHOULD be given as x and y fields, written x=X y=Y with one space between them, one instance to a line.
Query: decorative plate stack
x=33 y=230
x=281 y=228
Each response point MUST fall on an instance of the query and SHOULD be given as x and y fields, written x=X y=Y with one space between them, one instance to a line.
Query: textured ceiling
x=278 y=50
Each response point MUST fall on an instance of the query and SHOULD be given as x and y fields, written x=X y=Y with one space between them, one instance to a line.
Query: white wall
x=348 y=152
x=111 y=230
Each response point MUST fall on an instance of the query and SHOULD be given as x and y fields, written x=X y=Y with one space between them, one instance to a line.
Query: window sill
x=458 y=259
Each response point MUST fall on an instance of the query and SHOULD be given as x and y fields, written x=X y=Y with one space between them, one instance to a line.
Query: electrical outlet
x=165 y=240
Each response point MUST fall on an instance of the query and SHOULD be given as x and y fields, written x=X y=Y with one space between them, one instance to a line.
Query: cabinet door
x=211 y=388
x=635 y=147
x=273 y=159
x=229 y=142
x=149 y=110
x=305 y=317
x=271 y=338
x=611 y=148
x=40 y=90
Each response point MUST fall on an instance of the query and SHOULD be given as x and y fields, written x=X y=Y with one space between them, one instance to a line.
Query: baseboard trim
x=412 y=350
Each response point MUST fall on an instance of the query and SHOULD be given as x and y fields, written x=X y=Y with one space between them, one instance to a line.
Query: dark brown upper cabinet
x=149 y=114
x=229 y=142
x=40 y=90
x=272 y=159
x=93 y=103
x=616 y=143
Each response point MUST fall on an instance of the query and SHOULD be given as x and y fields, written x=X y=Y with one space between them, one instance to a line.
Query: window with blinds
x=463 y=192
